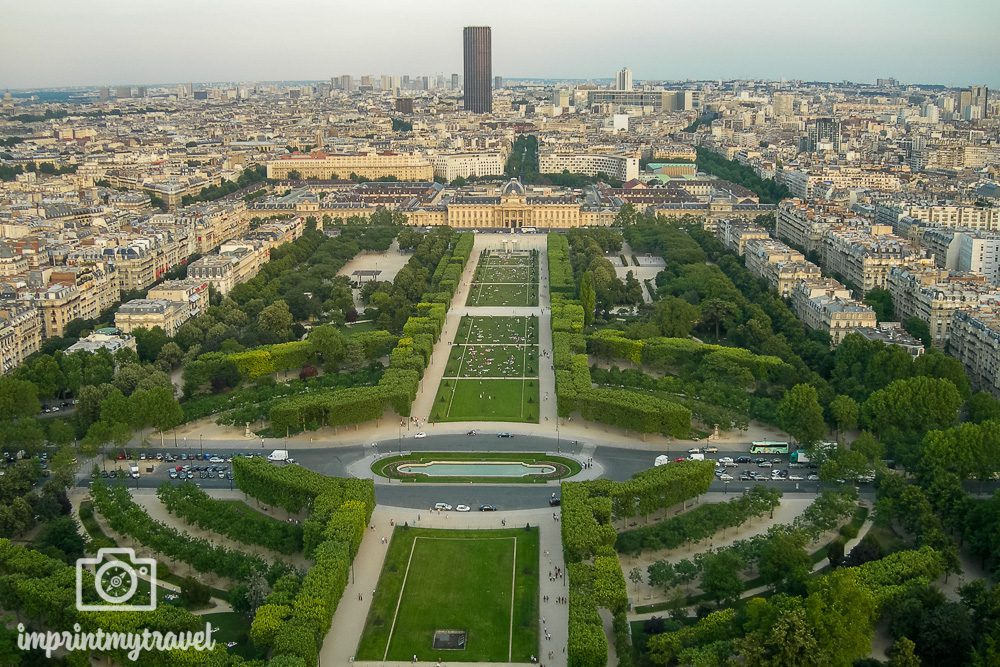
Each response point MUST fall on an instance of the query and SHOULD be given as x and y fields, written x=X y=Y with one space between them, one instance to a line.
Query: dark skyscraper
x=478 y=69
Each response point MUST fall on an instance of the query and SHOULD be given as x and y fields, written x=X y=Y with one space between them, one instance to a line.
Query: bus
x=768 y=447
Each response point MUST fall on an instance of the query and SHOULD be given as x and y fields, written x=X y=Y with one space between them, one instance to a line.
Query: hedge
x=560 y=270
x=269 y=359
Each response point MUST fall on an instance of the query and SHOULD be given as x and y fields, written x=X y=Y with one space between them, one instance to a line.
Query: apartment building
x=463 y=165
x=20 y=334
x=735 y=233
x=59 y=305
x=194 y=292
x=103 y=339
x=372 y=165
x=781 y=266
x=975 y=341
x=891 y=333
x=810 y=183
x=623 y=166
x=826 y=305
x=235 y=263
x=933 y=295
x=803 y=225
x=864 y=256
x=149 y=313
x=11 y=263
x=941 y=215
x=97 y=283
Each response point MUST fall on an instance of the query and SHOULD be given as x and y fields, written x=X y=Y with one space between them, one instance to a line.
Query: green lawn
x=510 y=361
x=499 y=330
x=502 y=294
x=486 y=400
x=484 y=582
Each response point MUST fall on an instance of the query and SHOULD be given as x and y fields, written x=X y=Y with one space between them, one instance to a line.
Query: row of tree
x=232 y=519
x=700 y=522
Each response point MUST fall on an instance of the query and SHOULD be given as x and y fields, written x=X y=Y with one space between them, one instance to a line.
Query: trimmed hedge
x=560 y=270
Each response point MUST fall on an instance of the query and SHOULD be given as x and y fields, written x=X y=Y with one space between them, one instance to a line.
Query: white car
x=420 y=435
x=217 y=459
x=462 y=508
x=795 y=478
x=442 y=506
x=726 y=477
x=726 y=459
x=694 y=450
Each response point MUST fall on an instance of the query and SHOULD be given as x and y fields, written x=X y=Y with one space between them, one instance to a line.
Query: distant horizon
x=605 y=79
x=109 y=42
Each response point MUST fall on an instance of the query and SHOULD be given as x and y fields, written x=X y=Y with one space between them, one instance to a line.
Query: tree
x=880 y=301
x=675 y=317
x=627 y=215
x=275 y=322
x=720 y=576
x=588 y=298
x=149 y=342
x=902 y=412
x=635 y=576
x=717 y=313
x=901 y=654
x=60 y=432
x=294 y=175
x=18 y=398
x=800 y=414
x=195 y=593
x=329 y=343
x=160 y=409
x=60 y=538
x=844 y=411
x=170 y=356
x=661 y=574
x=919 y=329
x=784 y=563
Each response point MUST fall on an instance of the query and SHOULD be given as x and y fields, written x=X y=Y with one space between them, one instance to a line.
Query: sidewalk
x=349 y=620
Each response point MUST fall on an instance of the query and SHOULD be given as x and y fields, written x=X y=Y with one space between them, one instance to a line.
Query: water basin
x=476 y=469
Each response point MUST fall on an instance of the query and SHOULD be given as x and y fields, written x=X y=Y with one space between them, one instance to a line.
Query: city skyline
x=715 y=40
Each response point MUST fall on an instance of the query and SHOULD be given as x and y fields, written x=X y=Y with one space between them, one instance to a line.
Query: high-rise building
x=104 y=93
x=980 y=99
x=823 y=131
x=346 y=82
x=498 y=82
x=478 y=50
x=123 y=92
x=404 y=104
x=783 y=104
x=623 y=81
x=454 y=81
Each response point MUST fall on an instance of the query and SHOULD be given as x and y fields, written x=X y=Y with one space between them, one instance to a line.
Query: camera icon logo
x=117 y=573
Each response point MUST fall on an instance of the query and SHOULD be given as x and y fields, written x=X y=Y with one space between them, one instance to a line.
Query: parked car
x=217 y=459
x=712 y=450
x=694 y=450
x=442 y=506
x=726 y=459
x=746 y=476
x=504 y=434
x=795 y=478
x=487 y=508
x=472 y=432
x=813 y=478
x=743 y=459
x=420 y=435
x=764 y=464
x=555 y=502
x=462 y=508
x=725 y=477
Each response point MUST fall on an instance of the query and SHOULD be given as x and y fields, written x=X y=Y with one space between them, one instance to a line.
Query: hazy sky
x=107 y=42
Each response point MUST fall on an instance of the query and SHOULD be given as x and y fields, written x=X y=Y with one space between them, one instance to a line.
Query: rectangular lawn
x=486 y=400
x=502 y=294
x=484 y=582
x=499 y=330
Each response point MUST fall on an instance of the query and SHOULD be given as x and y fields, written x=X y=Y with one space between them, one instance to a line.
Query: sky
x=54 y=43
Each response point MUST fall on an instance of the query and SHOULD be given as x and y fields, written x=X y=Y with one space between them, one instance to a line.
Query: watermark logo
x=117 y=573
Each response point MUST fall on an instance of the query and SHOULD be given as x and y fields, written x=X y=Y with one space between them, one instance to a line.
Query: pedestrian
x=414 y=658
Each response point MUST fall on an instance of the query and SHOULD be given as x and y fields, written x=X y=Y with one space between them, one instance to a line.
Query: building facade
x=477 y=43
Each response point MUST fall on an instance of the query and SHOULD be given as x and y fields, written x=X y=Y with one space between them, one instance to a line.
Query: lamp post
x=558 y=441
x=399 y=440
x=201 y=445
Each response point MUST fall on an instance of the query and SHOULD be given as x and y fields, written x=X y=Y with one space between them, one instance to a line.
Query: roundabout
x=473 y=467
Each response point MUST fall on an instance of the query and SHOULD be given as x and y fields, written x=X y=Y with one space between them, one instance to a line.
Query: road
x=609 y=462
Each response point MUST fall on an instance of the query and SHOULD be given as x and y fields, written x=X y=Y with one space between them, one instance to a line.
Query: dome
x=512 y=188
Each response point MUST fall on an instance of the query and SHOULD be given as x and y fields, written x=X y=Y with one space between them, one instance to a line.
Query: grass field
x=502 y=294
x=497 y=330
x=484 y=582
x=460 y=400
x=503 y=280
x=508 y=361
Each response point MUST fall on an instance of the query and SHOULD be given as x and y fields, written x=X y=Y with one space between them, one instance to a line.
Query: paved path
x=349 y=621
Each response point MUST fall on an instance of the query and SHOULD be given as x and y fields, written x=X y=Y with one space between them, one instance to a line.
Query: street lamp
x=201 y=445
x=558 y=441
